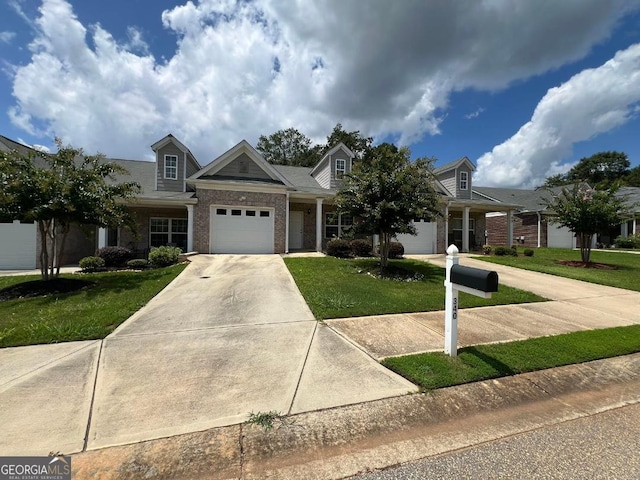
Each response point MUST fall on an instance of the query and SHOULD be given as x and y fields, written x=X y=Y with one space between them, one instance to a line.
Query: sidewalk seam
x=93 y=397
x=304 y=364
x=241 y=451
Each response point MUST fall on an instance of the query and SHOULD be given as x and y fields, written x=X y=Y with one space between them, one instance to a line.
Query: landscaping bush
x=501 y=251
x=337 y=247
x=486 y=249
x=361 y=248
x=91 y=264
x=164 y=256
x=114 y=256
x=396 y=250
x=513 y=251
x=137 y=264
x=632 y=241
x=528 y=252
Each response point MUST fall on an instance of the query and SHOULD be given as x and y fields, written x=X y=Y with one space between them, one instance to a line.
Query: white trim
x=286 y=228
x=166 y=140
x=344 y=169
x=339 y=224
x=319 y=224
x=190 y=228
x=162 y=202
x=184 y=173
x=466 y=180
x=238 y=186
x=166 y=156
x=102 y=237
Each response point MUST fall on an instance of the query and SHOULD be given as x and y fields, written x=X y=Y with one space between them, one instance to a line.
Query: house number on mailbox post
x=465 y=279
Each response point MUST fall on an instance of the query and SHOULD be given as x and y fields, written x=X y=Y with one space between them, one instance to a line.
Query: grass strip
x=337 y=288
x=625 y=272
x=88 y=314
x=483 y=362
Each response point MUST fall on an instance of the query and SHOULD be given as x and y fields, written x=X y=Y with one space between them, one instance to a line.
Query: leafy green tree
x=386 y=191
x=59 y=190
x=354 y=140
x=600 y=170
x=586 y=212
x=288 y=147
x=632 y=179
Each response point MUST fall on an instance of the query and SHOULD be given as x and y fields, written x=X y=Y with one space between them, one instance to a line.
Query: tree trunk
x=384 y=249
x=44 y=256
x=60 y=254
x=585 y=247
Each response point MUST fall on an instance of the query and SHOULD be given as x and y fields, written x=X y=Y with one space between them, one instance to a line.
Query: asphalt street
x=601 y=446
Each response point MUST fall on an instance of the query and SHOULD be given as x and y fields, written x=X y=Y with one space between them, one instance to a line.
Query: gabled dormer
x=241 y=164
x=456 y=177
x=174 y=164
x=336 y=163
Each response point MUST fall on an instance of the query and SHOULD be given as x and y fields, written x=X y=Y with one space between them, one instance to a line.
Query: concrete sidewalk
x=575 y=306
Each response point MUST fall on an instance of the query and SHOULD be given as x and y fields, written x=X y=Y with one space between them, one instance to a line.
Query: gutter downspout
x=539 y=227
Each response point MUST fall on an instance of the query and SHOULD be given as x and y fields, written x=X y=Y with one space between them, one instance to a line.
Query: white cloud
x=474 y=114
x=242 y=69
x=592 y=102
x=7 y=37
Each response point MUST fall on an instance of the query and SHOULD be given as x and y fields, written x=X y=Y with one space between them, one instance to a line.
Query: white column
x=451 y=306
x=446 y=226
x=286 y=227
x=539 y=228
x=102 y=237
x=465 y=229
x=624 y=229
x=635 y=227
x=189 y=228
x=509 y=228
x=318 y=224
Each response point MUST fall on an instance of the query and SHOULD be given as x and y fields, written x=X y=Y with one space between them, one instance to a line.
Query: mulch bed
x=40 y=288
x=579 y=264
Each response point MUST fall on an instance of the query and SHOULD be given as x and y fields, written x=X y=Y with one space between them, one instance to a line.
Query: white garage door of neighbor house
x=424 y=242
x=18 y=242
x=559 y=237
x=241 y=230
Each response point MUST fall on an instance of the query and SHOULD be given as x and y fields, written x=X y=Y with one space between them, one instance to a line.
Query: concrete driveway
x=231 y=335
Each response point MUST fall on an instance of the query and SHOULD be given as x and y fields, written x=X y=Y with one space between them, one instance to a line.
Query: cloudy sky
x=524 y=88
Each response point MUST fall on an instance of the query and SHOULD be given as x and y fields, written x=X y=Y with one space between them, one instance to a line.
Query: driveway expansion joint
x=93 y=397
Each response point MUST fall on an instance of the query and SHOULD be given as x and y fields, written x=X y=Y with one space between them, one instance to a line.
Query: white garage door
x=18 y=241
x=424 y=242
x=559 y=237
x=241 y=230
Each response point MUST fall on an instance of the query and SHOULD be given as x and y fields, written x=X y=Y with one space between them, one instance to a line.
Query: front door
x=296 y=226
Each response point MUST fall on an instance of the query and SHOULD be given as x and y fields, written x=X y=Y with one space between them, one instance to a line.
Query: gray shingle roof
x=531 y=200
x=301 y=179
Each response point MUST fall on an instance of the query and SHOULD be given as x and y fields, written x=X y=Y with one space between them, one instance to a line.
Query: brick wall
x=524 y=225
x=206 y=198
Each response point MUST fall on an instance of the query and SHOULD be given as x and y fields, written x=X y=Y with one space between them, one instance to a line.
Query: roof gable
x=454 y=165
x=331 y=152
x=233 y=154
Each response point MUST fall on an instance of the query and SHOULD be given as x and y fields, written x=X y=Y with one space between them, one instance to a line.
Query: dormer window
x=341 y=167
x=464 y=180
x=171 y=167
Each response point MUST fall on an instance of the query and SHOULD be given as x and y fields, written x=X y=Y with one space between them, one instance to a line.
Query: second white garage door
x=241 y=230
x=424 y=242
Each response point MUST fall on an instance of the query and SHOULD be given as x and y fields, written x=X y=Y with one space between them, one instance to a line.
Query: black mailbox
x=476 y=278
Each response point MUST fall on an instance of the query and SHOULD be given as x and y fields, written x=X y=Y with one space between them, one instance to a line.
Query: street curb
x=340 y=442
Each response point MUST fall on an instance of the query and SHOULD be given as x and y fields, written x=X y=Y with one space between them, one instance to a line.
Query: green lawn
x=544 y=260
x=88 y=314
x=334 y=288
x=482 y=362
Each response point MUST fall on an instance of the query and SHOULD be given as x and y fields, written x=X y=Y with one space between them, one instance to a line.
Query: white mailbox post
x=475 y=281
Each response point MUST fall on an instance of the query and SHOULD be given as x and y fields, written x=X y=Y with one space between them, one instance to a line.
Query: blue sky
x=524 y=89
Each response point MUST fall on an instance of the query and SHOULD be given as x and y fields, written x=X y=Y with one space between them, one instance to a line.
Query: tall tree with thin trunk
x=386 y=191
x=586 y=212
x=59 y=190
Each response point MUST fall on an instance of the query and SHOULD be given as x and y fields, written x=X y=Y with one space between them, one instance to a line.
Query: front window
x=171 y=167
x=168 y=231
x=341 y=167
x=336 y=225
x=456 y=224
x=464 y=180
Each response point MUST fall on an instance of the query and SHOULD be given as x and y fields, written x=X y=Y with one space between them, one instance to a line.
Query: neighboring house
x=531 y=225
x=239 y=203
